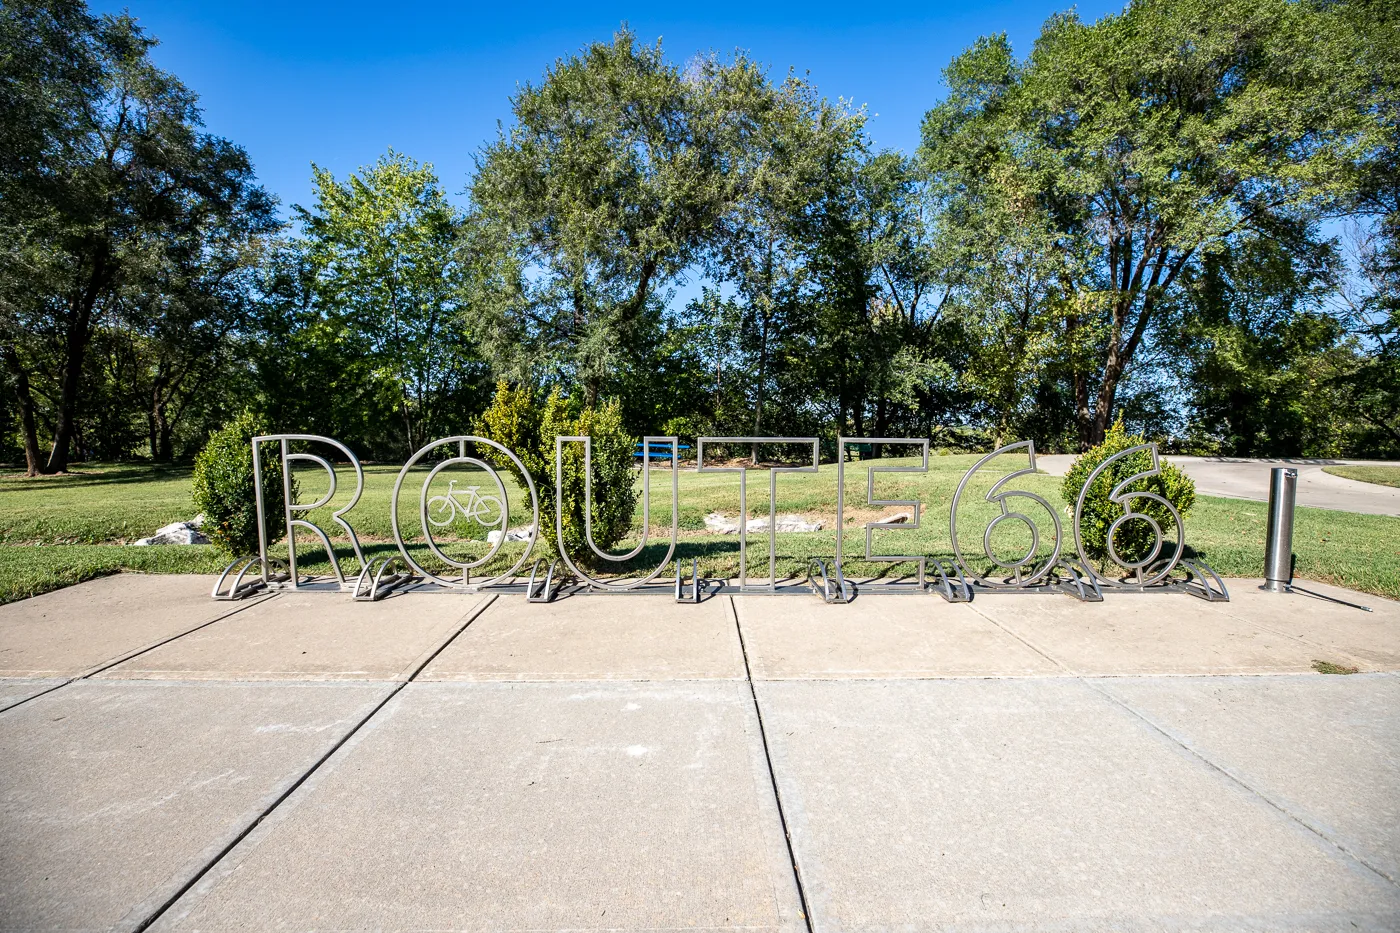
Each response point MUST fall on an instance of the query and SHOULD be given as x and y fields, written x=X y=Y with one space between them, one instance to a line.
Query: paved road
x=1248 y=478
x=752 y=763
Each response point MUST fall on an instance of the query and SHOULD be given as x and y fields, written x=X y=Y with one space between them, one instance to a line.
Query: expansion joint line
x=122 y=659
x=316 y=766
x=1235 y=779
x=772 y=775
x=1195 y=753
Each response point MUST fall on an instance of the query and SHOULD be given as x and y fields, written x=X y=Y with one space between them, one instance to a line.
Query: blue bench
x=657 y=451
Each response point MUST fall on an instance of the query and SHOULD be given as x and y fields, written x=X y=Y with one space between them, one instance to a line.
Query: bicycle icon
x=484 y=510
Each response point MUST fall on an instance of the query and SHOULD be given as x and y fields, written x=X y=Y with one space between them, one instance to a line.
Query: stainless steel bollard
x=1278 y=539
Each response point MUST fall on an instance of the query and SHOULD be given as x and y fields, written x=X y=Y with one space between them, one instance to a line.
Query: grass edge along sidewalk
x=58 y=531
x=1366 y=473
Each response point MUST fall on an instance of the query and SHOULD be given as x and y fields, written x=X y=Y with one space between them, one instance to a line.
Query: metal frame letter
x=700 y=467
x=559 y=442
x=289 y=507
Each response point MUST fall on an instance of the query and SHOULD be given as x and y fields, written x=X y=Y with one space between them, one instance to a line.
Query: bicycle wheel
x=487 y=511
x=441 y=511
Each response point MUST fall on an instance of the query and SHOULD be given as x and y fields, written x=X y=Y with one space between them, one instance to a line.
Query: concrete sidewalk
x=439 y=762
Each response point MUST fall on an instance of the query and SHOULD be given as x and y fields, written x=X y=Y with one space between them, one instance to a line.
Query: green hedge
x=1134 y=539
x=223 y=488
x=526 y=425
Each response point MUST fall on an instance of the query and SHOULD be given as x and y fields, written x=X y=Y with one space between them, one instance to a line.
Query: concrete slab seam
x=292 y=788
x=35 y=696
x=121 y=659
x=432 y=653
x=1186 y=746
x=1038 y=650
x=180 y=892
x=136 y=653
x=772 y=777
x=1234 y=778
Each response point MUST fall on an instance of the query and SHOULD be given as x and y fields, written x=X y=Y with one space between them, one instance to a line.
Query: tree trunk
x=1081 y=392
x=74 y=351
x=1103 y=405
x=155 y=418
x=161 y=432
x=882 y=426
x=25 y=400
x=757 y=418
x=762 y=381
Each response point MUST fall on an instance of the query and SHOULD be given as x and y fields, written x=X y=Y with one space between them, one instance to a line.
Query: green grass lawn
x=59 y=530
x=96 y=504
x=1380 y=475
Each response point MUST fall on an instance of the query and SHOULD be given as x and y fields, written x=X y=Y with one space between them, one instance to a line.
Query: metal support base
x=378 y=579
x=1204 y=582
x=831 y=591
x=1075 y=580
x=545 y=589
x=694 y=595
x=275 y=573
x=952 y=585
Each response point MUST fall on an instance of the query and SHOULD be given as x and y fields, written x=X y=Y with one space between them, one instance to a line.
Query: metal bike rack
x=1053 y=569
x=831 y=587
x=694 y=595
x=270 y=571
x=381 y=577
x=546 y=588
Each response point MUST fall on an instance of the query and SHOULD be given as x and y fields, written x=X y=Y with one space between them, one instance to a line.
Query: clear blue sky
x=339 y=83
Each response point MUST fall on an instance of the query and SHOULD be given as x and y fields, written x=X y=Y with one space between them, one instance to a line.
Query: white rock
x=785 y=523
x=197 y=522
x=720 y=524
x=174 y=533
x=514 y=534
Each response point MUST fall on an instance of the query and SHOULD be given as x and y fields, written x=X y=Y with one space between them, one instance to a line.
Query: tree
x=1367 y=382
x=186 y=313
x=608 y=187
x=769 y=235
x=1364 y=377
x=1254 y=339
x=1149 y=140
x=387 y=259
x=912 y=348
x=110 y=176
x=312 y=373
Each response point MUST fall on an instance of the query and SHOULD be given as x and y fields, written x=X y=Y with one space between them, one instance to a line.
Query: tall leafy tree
x=1253 y=347
x=385 y=252
x=607 y=188
x=110 y=172
x=1149 y=140
x=1367 y=382
x=912 y=346
x=769 y=240
x=187 y=317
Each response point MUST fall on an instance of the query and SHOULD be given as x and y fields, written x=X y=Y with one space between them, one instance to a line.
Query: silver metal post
x=1278 y=539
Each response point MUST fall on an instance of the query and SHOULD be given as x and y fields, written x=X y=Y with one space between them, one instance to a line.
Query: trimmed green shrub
x=223 y=487
x=521 y=422
x=1134 y=538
